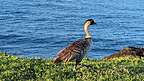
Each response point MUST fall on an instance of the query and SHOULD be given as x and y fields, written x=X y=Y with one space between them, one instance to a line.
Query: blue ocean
x=40 y=28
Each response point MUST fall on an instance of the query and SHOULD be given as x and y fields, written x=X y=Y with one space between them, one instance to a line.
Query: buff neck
x=87 y=33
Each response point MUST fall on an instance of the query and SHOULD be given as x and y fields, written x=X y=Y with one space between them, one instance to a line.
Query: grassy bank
x=120 y=69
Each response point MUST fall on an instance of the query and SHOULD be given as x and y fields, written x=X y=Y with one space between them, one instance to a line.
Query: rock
x=130 y=51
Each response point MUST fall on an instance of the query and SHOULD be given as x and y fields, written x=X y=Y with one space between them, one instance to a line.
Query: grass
x=127 y=68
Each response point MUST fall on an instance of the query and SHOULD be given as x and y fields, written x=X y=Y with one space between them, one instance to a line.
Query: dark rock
x=130 y=51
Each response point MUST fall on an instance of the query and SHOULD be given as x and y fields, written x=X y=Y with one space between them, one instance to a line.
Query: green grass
x=25 y=69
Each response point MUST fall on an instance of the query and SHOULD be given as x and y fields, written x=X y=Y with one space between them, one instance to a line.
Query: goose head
x=90 y=22
x=87 y=24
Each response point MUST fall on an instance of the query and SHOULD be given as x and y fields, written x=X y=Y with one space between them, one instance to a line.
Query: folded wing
x=75 y=51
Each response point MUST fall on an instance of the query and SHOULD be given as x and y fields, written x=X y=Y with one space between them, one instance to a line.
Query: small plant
x=118 y=69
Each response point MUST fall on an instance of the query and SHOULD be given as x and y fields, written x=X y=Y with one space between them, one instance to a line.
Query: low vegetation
x=25 y=69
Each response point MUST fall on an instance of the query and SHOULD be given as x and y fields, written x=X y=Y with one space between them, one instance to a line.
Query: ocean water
x=40 y=28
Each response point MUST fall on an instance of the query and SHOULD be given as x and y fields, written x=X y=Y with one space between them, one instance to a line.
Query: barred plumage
x=77 y=50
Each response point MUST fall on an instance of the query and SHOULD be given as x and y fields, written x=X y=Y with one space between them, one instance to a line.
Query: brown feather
x=75 y=51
